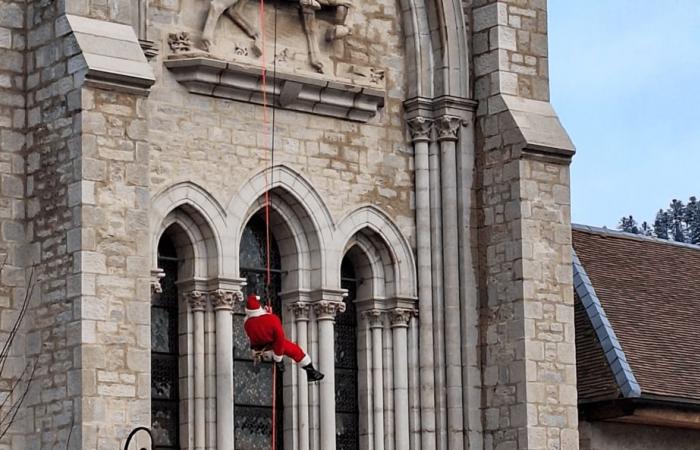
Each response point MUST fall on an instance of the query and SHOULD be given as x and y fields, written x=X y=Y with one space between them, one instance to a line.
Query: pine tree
x=628 y=225
x=692 y=219
x=677 y=214
x=661 y=224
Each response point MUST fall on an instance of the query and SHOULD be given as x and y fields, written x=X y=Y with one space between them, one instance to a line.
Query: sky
x=625 y=81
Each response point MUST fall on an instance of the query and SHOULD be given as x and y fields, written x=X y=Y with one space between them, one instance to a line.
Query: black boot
x=312 y=374
x=280 y=366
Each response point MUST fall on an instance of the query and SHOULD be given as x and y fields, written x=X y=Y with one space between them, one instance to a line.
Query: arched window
x=165 y=417
x=253 y=389
x=346 y=407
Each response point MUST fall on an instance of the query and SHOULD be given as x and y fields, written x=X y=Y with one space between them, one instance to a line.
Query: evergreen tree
x=628 y=225
x=677 y=214
x=661 y=224
x=692 y=219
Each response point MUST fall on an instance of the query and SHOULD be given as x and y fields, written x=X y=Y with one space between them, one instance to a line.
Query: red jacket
x=264 y=330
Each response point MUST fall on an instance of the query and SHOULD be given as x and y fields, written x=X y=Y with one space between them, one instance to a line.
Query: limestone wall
x=219 y=144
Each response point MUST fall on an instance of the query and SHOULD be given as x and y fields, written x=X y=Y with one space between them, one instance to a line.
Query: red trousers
x=265 y=332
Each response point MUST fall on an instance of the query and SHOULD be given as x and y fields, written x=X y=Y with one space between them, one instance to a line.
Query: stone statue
x=234 y=10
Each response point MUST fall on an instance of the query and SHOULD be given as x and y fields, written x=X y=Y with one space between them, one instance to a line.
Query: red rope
x=268 y=278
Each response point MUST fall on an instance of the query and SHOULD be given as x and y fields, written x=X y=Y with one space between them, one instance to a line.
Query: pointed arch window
x=346 y=390
x=253 y=389
x=165 y=411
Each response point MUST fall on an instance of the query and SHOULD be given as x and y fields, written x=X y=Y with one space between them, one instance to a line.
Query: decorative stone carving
x=180 y=42
x=374 y=317
x=400 y=317
x=282 y=56
x=448 y=127
x=372 y=74
x=156 y=276
x=420 y=128
x=234 y=10
x=328 y=309
x=376 y=76
x=300 y=310
x=197 y=300
x=222 y=299
x=242 y=82
x=240 y=50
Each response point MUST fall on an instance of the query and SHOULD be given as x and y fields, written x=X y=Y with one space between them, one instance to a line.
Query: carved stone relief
x=234 y=10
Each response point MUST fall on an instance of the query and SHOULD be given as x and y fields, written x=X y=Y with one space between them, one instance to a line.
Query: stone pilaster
x=524 y=239
x=301 y=312
x=197 y=301
x=399 y=319
x=375 y=322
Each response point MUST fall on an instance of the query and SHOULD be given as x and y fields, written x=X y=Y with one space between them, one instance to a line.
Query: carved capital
x=420 y=128
x=400 y=317
x=223 y=299
x=156 y=276
x=448 y=128
x=197 y=300
x=326 y=309
x=375 y=318
x=300 y=310
x=180 y=42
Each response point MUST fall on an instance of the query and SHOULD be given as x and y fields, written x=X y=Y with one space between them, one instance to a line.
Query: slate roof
x=637 y=318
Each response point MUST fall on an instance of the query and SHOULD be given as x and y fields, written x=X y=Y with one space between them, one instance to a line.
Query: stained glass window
x=346 y=410
x=253 y=387
x=165 y=413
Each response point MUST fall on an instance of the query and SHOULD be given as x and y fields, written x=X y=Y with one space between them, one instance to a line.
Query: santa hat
x=252 y=302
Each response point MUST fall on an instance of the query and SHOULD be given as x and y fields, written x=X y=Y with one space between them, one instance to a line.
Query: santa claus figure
x=265 y=332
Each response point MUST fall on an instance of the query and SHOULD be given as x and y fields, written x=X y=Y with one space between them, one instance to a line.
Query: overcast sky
x=625 y=80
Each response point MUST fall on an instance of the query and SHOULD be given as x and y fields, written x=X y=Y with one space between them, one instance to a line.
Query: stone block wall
x=529 y=394
x=114 y=269
x=12 y=189
x=53 y=218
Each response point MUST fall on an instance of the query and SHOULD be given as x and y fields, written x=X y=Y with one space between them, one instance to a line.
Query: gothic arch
x=386 y=238
x=199 y=224
x=299 y=206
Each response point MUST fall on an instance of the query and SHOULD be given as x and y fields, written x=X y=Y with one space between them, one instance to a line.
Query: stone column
x=420 y=132
x=375 y=321
x=222 y=301
x=399 y=326
x=197 y=302
x=325 y=315
x=301 y=316
x=448 y=132
x=414 y=384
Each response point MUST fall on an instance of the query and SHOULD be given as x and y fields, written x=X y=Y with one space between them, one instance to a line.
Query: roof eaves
x=614 y=355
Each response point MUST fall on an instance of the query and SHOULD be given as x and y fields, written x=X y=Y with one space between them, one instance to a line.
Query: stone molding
x=201 y=74
x=327 y=309
x=300 y=310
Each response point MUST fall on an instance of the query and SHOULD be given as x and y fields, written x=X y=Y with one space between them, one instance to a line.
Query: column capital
x=400 y=317
x=157 y=275
x=300 y=310
x=448 y=127
x=196 y=299
x=225 y=299
x=375 y=317
x=328 y=309
x=420 y=128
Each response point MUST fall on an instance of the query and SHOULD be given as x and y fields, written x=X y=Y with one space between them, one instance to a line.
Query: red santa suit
x=265 y=332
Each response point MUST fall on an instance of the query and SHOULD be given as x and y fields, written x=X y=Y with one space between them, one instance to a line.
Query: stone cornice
x=204 y=75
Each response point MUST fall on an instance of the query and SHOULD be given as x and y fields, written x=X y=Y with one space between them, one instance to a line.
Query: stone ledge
x=206 y=76
x=110 y=54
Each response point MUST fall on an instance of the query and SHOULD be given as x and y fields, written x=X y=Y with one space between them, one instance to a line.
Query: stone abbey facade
x=419 y=209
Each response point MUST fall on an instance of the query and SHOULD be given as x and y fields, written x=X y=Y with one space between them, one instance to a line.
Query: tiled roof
x=649 y=290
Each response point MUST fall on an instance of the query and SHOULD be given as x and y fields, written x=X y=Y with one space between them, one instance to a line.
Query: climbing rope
x=268 y=185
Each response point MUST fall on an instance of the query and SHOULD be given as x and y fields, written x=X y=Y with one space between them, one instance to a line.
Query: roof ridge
x=625 y=235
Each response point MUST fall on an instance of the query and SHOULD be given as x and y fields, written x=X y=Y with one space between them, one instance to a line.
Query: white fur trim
x=276 y=357
x=306 y=360
x=250 y=313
